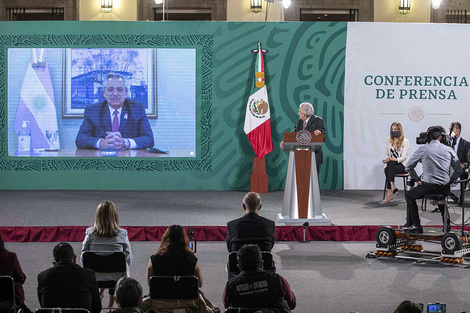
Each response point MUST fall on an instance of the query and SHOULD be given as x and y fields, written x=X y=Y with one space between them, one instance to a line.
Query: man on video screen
x=116 y=123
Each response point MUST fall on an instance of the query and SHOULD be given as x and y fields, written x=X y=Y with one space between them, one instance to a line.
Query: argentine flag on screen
x=37 y=103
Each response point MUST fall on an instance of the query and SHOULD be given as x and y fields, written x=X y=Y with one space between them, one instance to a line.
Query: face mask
x=394 y=134
x=452 y=135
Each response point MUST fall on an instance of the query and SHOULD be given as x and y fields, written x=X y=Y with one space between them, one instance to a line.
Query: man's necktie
x=115 y=122
x=305 y=124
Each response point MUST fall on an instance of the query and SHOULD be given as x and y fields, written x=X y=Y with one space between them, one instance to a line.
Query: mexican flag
x=258 y=117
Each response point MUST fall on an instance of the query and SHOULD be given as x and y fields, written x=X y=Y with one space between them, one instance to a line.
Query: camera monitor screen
x=98 y=102
x=436 y=308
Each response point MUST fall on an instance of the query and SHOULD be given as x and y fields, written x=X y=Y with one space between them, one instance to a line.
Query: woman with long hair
x=9 y=265
x=107 y=236
x=396 y=156
x=174 y=257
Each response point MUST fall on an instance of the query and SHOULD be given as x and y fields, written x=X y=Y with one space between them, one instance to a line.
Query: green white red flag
x=258 y=116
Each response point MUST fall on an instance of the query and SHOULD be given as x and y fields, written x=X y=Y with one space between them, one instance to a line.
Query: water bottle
x=24 y=139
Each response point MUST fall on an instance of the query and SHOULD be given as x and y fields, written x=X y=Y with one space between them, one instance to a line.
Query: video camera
x=425 y=137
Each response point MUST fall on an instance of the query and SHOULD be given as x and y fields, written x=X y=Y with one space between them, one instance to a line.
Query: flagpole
x=259 y=178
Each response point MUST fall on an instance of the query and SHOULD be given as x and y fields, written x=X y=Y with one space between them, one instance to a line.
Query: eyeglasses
x=117 y=89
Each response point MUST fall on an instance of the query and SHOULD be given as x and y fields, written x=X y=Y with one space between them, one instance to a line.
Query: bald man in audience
x=251 y=227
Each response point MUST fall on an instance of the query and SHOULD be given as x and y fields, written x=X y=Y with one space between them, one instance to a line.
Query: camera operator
x=460 y=147
x=437 y=159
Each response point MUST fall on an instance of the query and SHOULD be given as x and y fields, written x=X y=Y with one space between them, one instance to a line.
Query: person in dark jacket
x=9 y=265
x=68 y=285
x=256 y=288
x=251 y=228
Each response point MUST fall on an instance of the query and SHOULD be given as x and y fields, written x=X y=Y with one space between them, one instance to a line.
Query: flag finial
x=259 y=45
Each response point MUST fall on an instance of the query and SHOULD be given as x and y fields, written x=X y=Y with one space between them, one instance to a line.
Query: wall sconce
x=256 y=6
x=404 y=6
x=106 y=5
x=436 y=4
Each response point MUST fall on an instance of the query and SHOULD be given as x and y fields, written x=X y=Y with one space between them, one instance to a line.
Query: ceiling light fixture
x=404 y=6
x=106 y=6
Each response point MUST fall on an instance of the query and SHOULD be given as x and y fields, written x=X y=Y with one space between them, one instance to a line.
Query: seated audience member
x=128 y=295
x=251 y=228
x=396 y=157
x=256 y=288
x=175 y=258
x=408 y=307
x=9 y=265
x=106 y=235
x=66 y=284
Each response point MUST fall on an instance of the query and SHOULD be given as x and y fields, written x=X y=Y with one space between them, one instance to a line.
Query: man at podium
x=311 y=123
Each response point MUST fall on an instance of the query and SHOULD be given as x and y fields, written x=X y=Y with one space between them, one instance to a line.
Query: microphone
x=305 y=225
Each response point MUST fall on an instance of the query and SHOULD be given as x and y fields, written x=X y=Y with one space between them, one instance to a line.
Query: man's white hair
x=306 y=108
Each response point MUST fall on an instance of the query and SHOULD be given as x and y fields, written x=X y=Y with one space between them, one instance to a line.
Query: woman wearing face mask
x=396 y=156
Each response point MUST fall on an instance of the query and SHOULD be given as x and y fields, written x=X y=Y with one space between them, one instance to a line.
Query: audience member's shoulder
x=122 y=232
x=88 y=230
x=88 y=271
x=8 y=255
x=267 y=220
x=229 y=223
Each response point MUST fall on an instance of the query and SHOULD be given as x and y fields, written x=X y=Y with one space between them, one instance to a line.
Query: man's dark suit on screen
x=314 y=123
x=133 y=124
x=67 y=285
x=250 y=228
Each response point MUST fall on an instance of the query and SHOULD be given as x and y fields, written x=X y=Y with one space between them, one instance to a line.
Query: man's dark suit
x=462 y=150
x=314 y=123
x=134 y=124
x=67 y=285
x=250 y=228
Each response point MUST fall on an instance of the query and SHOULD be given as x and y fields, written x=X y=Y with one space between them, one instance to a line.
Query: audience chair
x=62 y=310
x=251 y=310
x=268 y=263
x=176 y=292
x=100 y=263
x=7 y=295
x=405 y=178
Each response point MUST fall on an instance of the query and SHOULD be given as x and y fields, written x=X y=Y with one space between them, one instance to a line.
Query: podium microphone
x=305 y=225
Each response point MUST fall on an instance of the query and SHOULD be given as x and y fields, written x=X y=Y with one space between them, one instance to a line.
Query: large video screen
x=101 y=102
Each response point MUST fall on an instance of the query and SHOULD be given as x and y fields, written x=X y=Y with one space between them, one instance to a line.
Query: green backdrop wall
x=304 y=62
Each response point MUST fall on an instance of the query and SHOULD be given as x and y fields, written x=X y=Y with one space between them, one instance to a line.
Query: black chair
x=263 y=243
x=7 y=295
x=251 y=310
x=176 y=288
x=105 y=262
x=268 y=263
x=405 y=178
x=62 y=310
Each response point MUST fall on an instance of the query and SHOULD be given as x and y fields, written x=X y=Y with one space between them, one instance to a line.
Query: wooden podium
x=302 y=201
